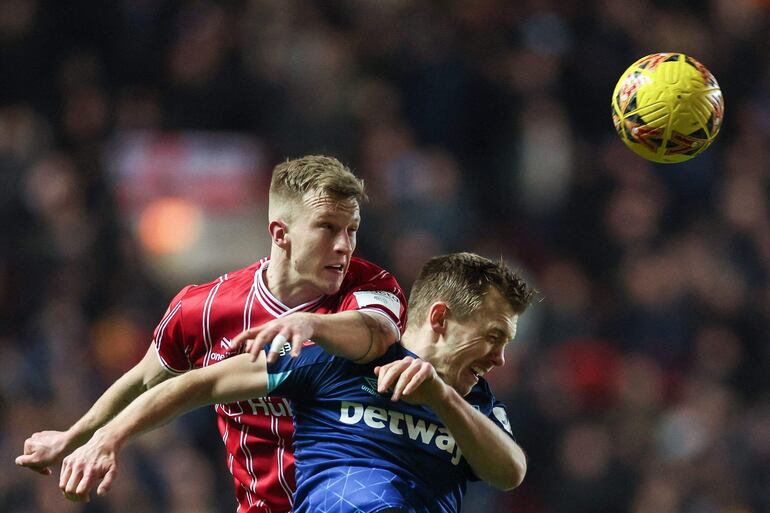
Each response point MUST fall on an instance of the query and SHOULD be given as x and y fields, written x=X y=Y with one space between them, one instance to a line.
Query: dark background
x=638 y=384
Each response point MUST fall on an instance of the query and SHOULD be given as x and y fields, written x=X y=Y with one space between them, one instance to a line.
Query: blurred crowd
x=639 y=383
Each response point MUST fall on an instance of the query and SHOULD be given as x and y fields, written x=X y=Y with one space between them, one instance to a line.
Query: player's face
x=475 y=346
x=323 y=238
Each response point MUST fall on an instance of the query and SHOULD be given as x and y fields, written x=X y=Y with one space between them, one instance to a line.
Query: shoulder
x=243 y=277
x=303 y=373
x=394 y=352
x=364 y=275
x=311 y=354
x=244 y=272
x=314 y=355
x=369 y=286
x=481 y=396
x=363 y=270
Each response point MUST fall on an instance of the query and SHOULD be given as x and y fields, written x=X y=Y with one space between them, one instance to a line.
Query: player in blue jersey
x=403 y=433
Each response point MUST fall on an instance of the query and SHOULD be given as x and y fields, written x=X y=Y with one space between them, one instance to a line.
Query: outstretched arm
x=234 y=379
x=355 y=335
x=492 y=454
x=47 y=448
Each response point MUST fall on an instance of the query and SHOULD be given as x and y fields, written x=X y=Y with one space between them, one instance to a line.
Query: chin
x=463 y=390
x=329 y=289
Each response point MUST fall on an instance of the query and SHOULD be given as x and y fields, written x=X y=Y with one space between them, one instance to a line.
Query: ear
x=437 y=316
x=279 y=232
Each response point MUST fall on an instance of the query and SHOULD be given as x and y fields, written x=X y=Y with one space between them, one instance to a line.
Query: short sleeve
x=499 y=415
x=169 y=338
x=381 y=295
x=302 y=376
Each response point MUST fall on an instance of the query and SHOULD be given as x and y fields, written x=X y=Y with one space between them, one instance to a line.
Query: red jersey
x=196 y=331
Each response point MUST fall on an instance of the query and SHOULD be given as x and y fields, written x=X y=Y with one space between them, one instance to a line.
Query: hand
x=43 y=450
x=411 y=379
x=283 y=333
x=84 y=468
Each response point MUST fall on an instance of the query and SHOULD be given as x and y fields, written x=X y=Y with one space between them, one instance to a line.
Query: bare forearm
x=492 y=455
x=97 y=459
x=112 y=402
x=234 y=379
x=358 y=336
x=154 y=408
x=144 y=375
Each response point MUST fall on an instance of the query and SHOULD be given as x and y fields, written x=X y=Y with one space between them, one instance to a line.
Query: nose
x=497 y=356
x=343 y=243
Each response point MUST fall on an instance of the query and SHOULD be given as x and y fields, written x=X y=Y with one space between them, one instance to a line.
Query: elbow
x=382 y=333
x=382 y=341
x=516 y=477
x=382 y=329
x=391 y=336
x=386 y=338
x=512 y=474
x=386 y=334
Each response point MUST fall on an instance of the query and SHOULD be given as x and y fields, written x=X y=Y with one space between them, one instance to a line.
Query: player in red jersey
x=314 y=216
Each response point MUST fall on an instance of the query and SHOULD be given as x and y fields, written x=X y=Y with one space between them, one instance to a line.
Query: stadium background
x=638 y=384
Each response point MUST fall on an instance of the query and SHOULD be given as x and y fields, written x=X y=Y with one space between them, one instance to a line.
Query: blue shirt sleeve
x=303 y=375
x=495 y=410
x=499 y=416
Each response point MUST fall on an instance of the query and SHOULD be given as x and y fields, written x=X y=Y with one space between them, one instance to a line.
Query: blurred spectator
x=638 y=384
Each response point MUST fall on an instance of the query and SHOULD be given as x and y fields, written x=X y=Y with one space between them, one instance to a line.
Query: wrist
x=308 y=324
x=313 y=322
x=442 y=398
x=105 y=436
x=76 y=436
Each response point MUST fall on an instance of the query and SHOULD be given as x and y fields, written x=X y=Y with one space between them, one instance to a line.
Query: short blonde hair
x=327 y=176
x=461 y=280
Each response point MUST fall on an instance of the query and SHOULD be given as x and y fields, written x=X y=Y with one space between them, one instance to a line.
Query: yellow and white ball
x=667 y=107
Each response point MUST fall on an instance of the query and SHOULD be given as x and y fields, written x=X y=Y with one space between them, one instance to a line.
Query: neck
x=283 y=283
x=419 y=342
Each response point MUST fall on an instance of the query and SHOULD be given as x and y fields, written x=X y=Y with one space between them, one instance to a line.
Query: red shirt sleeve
x=380 y=294
x=169 y=337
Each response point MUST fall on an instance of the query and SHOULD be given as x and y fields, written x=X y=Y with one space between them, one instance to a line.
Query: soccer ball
x=667 y=107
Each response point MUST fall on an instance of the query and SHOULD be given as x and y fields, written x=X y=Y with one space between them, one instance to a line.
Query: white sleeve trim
x=163 y=362
x=387 y=316
x=382 y=298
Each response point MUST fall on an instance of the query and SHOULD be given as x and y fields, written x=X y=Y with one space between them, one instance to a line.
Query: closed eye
x=498 y=337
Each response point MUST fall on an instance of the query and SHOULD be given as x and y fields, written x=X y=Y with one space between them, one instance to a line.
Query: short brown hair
x=315 y=173
x=462 y=280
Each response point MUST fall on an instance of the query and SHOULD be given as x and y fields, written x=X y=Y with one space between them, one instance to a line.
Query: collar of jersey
x=272 y=304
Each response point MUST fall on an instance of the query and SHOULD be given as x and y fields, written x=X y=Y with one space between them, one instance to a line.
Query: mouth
x=337 y=268
x=477 y=372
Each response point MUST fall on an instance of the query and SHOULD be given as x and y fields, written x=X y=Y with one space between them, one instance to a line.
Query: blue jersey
x=359 y=452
